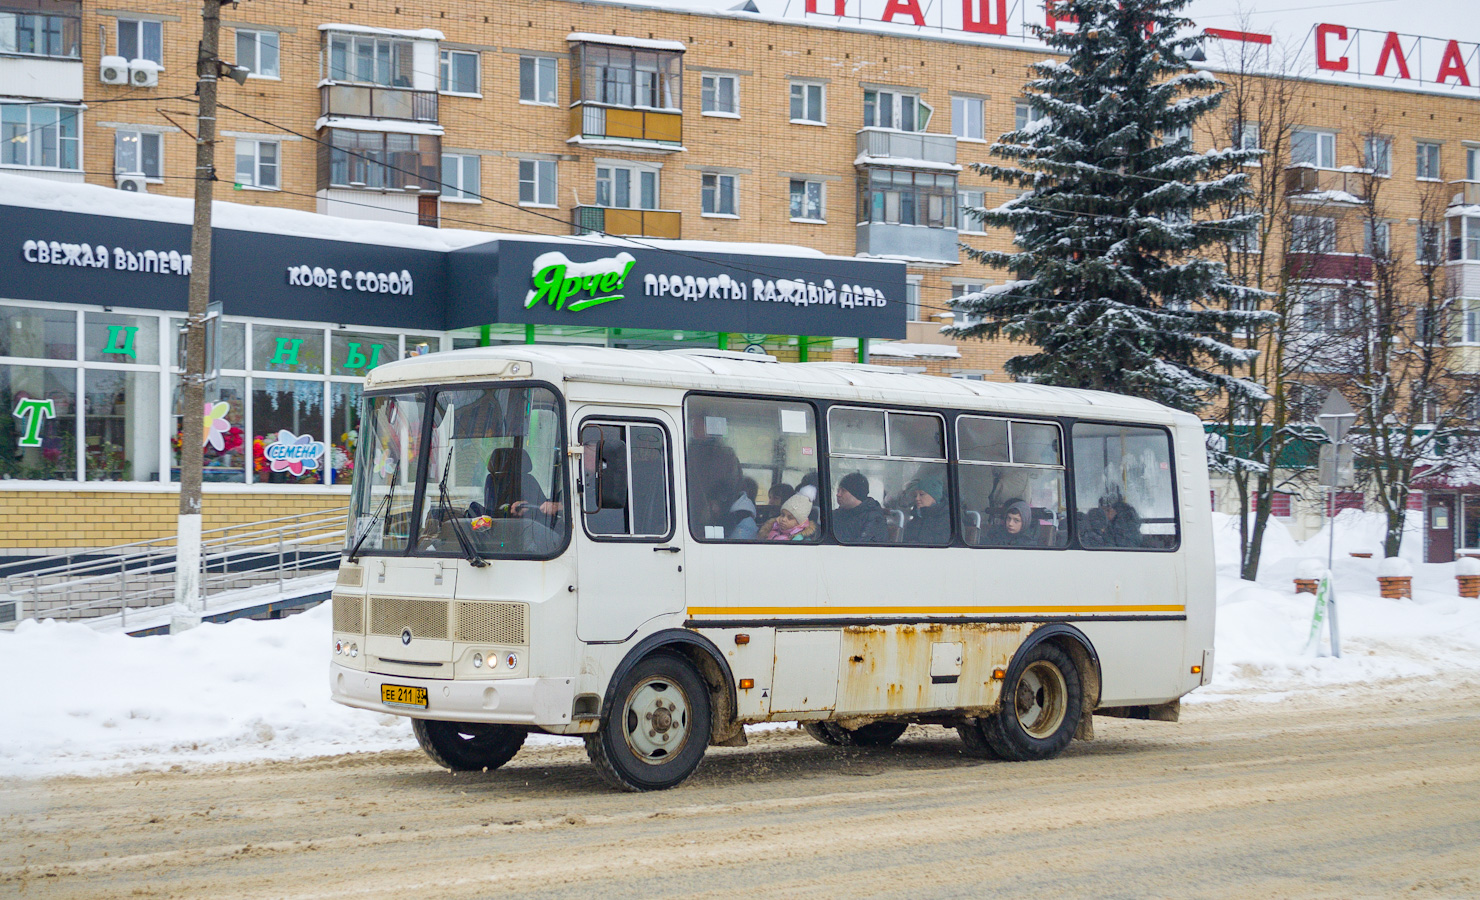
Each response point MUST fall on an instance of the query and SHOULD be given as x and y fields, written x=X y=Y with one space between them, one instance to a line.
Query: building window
x=537 y=182
x=720 y=95
x=1177 y=135
x=1323 y=311
x=137 y=153
x=620 y=76
x=458 y=72
x=806 y=200
x=1429 y=244
x=1312 y=234
x=537 y=79
x=1377 y=155
x=1375 y=239
x=717 y=195
x=912 y=298
x=1428 y=161
x=892 y=109
x=1313 y=148
x=141 y=40
x=902 y=197
x=966 y=118
x=626 y=187
x=967 y=224
x=808 y=103
x=461 y=177
x=31 y=34
x=257 y=164
x=1025 y=114
x=258 y=52
x=1470 y=320
x=1246 y=135
x=959 y=290
x=1464 y=238
x=43 y=137
x=1472 y=163
x=367 y=59
x=381 y=161
x=1280 y=505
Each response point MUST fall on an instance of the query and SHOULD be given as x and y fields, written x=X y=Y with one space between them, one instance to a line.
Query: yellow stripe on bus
x=925 y=611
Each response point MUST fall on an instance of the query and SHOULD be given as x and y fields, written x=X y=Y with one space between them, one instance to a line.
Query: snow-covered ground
x=77 y=701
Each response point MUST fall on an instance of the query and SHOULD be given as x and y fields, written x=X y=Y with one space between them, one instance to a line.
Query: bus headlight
x=354 y=650
x=477 y=660
x=338 y=647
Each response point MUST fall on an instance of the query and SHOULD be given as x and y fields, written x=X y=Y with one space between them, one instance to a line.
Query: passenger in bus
x=1112 y=523
x=930 y=522
x=716 y=477
x=1016 y=529
x=511 y=489
x=858 y=518
x=793 y=524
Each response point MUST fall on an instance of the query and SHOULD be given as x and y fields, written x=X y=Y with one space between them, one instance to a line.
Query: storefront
x=91 y=307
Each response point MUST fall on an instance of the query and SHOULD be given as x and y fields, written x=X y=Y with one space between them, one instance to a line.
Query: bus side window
x=632 y=461
x=1123 y=487
x=889 y=480
x=740 y=450
x=1012 y=483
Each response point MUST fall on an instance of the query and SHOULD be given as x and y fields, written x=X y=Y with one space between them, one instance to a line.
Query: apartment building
x=848 y=128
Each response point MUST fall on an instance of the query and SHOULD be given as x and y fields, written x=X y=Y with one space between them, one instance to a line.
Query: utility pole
x=188 y=607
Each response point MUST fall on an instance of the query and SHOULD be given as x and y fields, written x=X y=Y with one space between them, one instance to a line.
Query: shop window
x=277 y=348
x=808 y=103
x=288 y=411
x=141 y=40
x=537 y=184
x=138 y=153
x=743 y=455
x=118 y=338
x=1123 y=488
x=458 y=72
x=357 y=354
x=422 y=344
x=344 y=431
x=31 y=34
x=720 y=94
x=717 y=194
x=258 y=52
x=898 y=462
x=1012 y=483
x=966 y=118
x=38 y=333
x=258 y=164
x=40 y=136
x=461 y=177
x=624 y=481
x=231 y=352
x=1428 y=161
x=226 y=448
x=38 y=437
x=537 y=79
x=806 y=201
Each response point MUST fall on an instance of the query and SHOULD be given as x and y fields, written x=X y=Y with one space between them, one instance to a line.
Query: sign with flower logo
x=294 y=453
x=216 y=425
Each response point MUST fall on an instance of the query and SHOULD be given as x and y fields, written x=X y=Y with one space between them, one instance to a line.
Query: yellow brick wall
x=44 y=520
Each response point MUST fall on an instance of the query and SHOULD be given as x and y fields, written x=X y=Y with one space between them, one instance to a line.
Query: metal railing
x=129 y=577
x=368 y=101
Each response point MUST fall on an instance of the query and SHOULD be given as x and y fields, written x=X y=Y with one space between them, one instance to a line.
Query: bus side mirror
x=590 y=480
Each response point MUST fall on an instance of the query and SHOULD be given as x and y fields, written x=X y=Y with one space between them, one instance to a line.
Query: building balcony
x=1466 y=193
x=912 y=243
x=1336 y=186
x=367 y=101
x=653 y=223
x=1329 y=266
x=1464 y=359
x=655 y=129
x=909 y=149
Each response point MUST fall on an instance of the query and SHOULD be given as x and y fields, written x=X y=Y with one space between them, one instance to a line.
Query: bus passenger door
x=629 y=548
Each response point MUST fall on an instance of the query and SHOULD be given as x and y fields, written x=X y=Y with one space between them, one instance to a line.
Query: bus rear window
x=1123 y=491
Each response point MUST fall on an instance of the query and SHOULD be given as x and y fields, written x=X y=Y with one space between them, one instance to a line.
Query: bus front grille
x=423 y=618
x=349 y=614
x=492 y=623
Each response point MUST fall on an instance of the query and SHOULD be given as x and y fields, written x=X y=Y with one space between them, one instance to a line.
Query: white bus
x=654 y=549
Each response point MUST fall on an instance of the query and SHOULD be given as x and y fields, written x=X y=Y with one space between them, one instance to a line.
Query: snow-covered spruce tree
x=1110 y=287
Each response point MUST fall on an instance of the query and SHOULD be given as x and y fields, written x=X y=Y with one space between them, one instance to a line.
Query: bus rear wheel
x=653 y=735
x=468 y=746
x=1040 y=707
x=874 y=734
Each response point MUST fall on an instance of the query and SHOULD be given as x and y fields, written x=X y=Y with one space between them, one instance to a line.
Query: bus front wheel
x=468 y=746
x=1040 y=707
x=653 y=735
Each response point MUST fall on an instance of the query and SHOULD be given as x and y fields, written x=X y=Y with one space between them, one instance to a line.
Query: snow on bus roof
x=733 y=371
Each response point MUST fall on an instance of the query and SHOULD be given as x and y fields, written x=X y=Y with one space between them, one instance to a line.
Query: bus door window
x=1123 y=490
x=888 y=473
x=740 y=449
x=1012 y=483
x=388 y=456
x=630 y=498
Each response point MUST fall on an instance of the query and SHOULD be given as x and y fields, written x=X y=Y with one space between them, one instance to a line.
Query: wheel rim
x=657 y=720
x=1040 y=699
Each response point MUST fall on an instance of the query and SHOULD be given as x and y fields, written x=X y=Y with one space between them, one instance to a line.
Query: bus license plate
x=402 y=695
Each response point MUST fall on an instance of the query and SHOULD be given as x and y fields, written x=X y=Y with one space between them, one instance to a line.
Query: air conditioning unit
x=134 y=183
x=143 y=72
x=113 y=70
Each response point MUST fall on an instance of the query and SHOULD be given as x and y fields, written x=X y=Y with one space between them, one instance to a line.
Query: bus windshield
x=495 y=481
x=385 y=473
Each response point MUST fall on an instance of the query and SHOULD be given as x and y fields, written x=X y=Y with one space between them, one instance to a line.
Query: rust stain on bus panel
x=886 y=668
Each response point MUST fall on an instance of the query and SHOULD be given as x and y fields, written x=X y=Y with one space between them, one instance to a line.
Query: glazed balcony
x=653 y=223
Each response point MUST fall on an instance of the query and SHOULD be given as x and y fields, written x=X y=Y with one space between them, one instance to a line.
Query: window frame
x=705 y=90
x=461 y=193
x=898 y=119
x=536 y=181
x=804 y=86
x=445 y=69
x=76 y=141
x=536 y=64
x=1064 y=467
x=716 y=194
x=66 y=26
x=140 y=135
x=1323 y=140
x=257 y=163
x=1073 y=487
x=139 y=27
x=1429 y=161
x=635 y=172
x=668 y=485
x=821 y=199
x=964 y=223
x=825 y=475
x=960 y=122
x=256 y=39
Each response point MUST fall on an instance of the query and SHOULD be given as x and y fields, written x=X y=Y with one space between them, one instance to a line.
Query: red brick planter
x=1306 y=585
x=1469 y=586
x=1396 y=587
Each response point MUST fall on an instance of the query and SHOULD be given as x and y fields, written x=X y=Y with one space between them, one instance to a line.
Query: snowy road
x=1368 y=792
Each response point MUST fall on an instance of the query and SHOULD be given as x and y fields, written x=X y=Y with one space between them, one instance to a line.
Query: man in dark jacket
x=858 y=519
x=931 y=522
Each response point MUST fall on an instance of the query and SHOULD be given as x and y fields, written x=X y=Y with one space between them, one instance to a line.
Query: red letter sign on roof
x=839 y=7
x=1453 y=64
x=1323 y=58
x=984 y=24
x=1391 y=48
x=895 y=7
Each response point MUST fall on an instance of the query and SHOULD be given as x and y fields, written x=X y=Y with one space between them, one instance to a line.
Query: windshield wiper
x=445 y=507
x=380 y=510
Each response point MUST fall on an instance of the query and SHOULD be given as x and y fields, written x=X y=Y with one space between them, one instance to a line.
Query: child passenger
x=793 y=523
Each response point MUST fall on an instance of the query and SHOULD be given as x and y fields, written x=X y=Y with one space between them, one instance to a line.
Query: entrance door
x=630 y=552
x=1439 y=529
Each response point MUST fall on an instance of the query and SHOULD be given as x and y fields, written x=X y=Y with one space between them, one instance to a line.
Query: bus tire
x=976 y=742
x=874 y=734
x=1042 y=700
x=653 y=735
x=821 y=731
x=468 y=746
